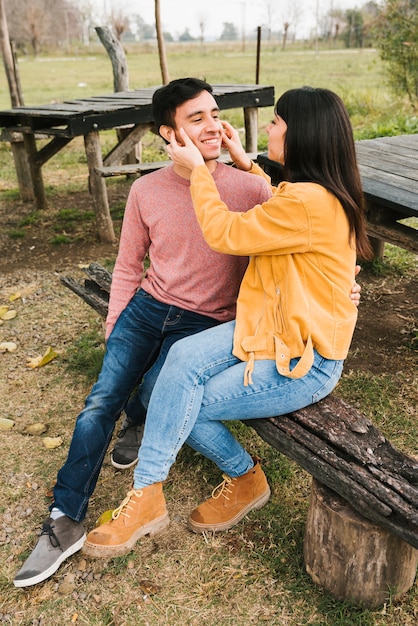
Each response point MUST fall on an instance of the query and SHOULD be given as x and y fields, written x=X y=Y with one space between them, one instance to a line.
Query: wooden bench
x=145 y=168
x=350 y=458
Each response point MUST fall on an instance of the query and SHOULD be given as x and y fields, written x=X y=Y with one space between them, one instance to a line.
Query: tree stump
x=351 y=557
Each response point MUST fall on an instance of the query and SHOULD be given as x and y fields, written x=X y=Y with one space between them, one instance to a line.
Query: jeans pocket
x=335 y=369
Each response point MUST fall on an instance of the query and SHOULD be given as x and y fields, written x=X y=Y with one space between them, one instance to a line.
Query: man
x=186 y=289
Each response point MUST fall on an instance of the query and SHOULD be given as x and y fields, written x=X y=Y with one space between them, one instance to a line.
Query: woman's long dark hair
x=319 y=147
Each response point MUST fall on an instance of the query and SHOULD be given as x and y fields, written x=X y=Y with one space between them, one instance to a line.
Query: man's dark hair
x=166 y=99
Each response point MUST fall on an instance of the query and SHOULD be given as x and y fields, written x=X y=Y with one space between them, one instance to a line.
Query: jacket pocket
x=304 y=364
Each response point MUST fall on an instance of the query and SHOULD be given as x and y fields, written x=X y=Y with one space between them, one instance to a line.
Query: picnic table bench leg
x=98 y=189
x=378 y=246
x=20 y=157
x=35 y=169
x=351 y=557
x=251 y=129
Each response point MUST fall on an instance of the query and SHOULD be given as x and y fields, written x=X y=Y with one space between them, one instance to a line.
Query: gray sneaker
x=125 y=452
x=58 y=540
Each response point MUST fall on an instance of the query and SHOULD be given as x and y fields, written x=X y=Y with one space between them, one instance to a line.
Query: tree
x=270 y=10
x=396 y=37
x=45 y=22
x=284 y=39
x=161 y=45
x=9 y=61
x=140 y=29
x=85 y=12
x=186 y=36
x=119 y=22
x=353 y=33
x=229 y=32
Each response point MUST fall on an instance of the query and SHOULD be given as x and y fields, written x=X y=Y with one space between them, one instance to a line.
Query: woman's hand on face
x=232 y=143
x=186 y=156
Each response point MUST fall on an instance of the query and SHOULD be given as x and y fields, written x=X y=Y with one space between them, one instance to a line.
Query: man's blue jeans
x=140 y=340
x=201 y=385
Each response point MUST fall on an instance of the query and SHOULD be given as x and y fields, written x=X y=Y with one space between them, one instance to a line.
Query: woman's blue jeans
x=201 y=385
x=140 y=340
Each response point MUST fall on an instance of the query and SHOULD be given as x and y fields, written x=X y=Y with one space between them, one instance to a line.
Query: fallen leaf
x=8 y=346
x=6 y=313
x=104 y=518
x=52 y=442
x=9 y=315
x=39 y=361
x=23 y=293
x=6 y=424
x=36 y=429
x=147 y=586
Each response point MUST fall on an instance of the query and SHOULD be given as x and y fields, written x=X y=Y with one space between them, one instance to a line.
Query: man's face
x=200 y=119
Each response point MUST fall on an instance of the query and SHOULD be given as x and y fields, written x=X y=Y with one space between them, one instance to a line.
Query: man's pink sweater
x=160 y=220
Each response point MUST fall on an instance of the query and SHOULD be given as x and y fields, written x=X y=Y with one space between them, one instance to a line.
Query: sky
x=246 y=15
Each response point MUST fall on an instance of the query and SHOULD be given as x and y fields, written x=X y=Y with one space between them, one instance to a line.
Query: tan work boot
x=231 y=501
x=142 y=512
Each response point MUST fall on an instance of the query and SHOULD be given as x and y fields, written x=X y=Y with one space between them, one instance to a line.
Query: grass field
x=356 y=75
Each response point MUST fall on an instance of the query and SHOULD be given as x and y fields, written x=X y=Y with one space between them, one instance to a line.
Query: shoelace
x=47 y=530
x=125 y=504
x=224 y=488
x=124 y=429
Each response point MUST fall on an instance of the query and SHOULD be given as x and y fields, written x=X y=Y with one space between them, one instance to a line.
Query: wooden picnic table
x=389 y=175
x=87 y=117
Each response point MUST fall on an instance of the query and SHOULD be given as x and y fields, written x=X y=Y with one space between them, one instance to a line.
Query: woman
x=294 y=320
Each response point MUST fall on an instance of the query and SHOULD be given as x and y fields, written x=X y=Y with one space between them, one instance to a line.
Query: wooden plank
x=98 y=188
x=130 y=168
x=122 y=108
x=397 y=145
x=409 y=141
x=404 y=201
x=51 y=148
x=389 y=162
x=396 y=234
x=143 y=168
x=395 y=180
x=125 y=144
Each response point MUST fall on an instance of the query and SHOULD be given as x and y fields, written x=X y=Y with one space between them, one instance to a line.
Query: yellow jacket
x=295 y=293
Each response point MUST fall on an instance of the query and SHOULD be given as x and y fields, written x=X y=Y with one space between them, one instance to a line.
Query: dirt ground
x=388 y=318
x=49 y=314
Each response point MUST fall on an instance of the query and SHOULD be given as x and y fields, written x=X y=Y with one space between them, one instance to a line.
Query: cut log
x=352 y=558
x=94 y=297
x=331 y=440
x=343 y=450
